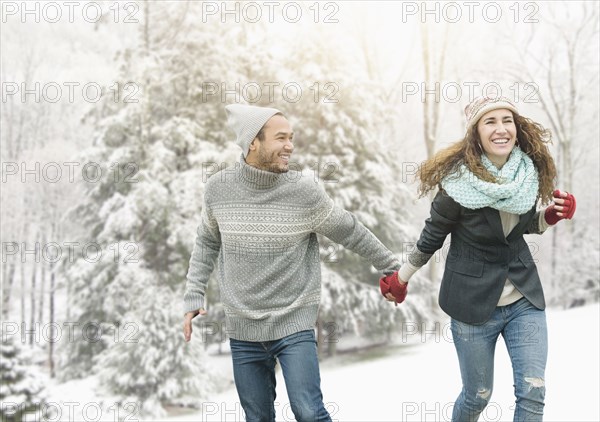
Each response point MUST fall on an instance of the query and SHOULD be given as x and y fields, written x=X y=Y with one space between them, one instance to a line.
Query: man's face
x=273 y=154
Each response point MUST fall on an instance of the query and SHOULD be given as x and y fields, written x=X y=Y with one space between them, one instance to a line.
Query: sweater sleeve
x=344 y=228
x=204 y=255
x=538 y=224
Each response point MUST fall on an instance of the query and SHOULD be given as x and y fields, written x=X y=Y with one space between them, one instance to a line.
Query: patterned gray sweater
x=261 y=228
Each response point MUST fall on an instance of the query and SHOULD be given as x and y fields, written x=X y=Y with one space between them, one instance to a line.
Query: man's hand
x=563 y=207
x=187 y=322
x=393 y=288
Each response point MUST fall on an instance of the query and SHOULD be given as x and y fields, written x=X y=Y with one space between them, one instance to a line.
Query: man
x=261 y=222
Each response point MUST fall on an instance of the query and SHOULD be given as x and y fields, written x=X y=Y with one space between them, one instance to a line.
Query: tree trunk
x=431 y=109
x=42 y=290
x=51 y=312
x=51 y=321
x=554 y=248
x=9 y=279
x=22 y=291
x=319 y=337
x=32 y=321
x=426 y=105
x=22 y=248
x=567 y=180
x=332 y=344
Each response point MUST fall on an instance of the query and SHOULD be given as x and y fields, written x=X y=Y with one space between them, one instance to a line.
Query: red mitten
x=391 y=284
x=568 y=208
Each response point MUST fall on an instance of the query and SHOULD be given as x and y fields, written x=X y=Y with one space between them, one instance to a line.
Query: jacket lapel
x=524 y=220
x=493 y=217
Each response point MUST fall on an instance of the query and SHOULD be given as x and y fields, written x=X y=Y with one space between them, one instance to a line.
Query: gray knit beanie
x=481 y=105
x=246 y=121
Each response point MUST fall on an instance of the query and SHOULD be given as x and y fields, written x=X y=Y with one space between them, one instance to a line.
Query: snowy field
x=417 y=380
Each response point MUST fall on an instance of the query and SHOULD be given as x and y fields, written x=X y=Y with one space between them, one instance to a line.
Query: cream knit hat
x=246 y=121
x=481 y=105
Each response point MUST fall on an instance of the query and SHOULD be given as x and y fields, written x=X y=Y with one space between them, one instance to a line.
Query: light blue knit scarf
x=515 y=193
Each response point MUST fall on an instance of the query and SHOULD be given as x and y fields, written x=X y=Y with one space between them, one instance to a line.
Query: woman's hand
x=393 y=288
x=563 y=206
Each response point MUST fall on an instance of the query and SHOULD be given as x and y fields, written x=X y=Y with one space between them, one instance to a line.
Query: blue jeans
x=254 y=374
x=523 y=327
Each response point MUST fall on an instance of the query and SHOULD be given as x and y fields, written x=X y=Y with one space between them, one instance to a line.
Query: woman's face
x=498 y=134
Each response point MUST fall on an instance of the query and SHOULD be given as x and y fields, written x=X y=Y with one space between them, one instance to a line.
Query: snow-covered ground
x=416 y=382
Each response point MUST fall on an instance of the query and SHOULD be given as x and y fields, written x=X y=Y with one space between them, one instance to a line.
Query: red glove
x=391 y=284
x=568 y=208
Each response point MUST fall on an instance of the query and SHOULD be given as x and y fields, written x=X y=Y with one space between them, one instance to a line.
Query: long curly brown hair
x=532 y=137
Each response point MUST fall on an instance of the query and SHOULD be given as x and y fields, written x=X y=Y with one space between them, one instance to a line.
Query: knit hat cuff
x=481 y=105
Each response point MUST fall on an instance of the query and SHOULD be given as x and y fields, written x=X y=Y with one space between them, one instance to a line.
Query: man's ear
x=252 y=146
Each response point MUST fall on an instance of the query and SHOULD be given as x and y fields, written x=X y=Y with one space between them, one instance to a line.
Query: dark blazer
x=480 y=258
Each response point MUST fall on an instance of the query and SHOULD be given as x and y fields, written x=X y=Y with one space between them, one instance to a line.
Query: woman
x=490 y=183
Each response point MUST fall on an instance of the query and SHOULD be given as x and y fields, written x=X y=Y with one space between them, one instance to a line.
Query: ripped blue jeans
x=524 y=330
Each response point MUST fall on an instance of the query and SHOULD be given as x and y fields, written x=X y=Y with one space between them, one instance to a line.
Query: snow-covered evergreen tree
x=338 y=124
x=155 y=156
x=143 y=232
x=142 y=212
x=580 y=272
x=148 y=364
x=22 y=389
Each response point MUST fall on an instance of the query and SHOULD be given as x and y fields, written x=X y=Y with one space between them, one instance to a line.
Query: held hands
x=187 y=323
x=563 y=207
x=393 y=288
